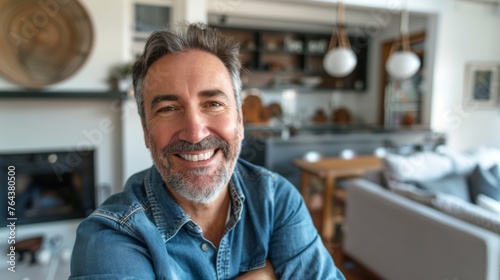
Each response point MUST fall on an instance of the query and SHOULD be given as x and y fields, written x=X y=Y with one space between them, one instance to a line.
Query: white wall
x=135 y=155
x=467 y=33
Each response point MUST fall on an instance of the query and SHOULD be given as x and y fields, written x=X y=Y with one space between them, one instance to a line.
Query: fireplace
x=49 y=185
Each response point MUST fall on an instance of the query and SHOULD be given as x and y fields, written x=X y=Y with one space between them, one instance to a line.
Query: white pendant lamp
x=339 y=61
x=403 y=64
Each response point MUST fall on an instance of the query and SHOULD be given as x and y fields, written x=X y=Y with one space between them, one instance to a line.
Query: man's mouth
x=198 y=157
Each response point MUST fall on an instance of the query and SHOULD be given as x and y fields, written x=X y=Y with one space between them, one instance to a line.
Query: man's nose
x=194 y=128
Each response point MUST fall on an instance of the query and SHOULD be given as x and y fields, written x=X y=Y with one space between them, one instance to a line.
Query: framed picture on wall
x=482 y=84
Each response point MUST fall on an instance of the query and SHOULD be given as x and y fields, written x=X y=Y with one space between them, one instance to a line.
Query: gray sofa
x=399 y=237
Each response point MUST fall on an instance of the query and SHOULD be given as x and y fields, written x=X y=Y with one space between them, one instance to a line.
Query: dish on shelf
x=310 y=81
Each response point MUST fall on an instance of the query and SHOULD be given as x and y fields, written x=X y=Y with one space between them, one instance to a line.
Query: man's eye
x=214 y=104
x=166 y=109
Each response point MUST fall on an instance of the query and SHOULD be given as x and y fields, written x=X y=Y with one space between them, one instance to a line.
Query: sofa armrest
x=398 y=238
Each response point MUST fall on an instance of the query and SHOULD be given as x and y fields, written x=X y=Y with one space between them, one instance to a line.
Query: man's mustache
x=208 y=143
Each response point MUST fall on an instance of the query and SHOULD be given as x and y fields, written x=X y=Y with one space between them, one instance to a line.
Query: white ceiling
x=318 y=15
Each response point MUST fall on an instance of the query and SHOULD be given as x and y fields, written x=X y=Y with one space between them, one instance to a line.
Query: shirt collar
x=169 y=216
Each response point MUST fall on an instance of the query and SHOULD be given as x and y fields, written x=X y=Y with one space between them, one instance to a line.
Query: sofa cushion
x=467 y=212
x=422 y=166
x=488 y=203
x=412 y=192
x=463 y=162
x=452 y=184
x=483 y=182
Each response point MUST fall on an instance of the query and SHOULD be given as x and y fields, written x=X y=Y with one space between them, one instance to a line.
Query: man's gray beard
x=186 y=188
x=183 y=183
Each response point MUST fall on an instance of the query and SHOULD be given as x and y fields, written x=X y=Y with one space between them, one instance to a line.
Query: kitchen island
x=276 y=148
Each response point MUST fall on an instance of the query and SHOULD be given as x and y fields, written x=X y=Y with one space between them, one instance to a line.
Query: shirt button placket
x=205 y=246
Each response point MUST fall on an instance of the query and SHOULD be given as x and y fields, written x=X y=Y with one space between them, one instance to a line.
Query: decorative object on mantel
x=402 y=64
x=43 y=42
x=481 y=85
x=339 y=61
x=120 y=76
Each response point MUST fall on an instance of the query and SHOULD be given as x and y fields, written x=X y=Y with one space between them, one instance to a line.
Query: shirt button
x=204 y=246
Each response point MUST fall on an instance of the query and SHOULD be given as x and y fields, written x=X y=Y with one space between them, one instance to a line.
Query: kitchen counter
x=272 y=148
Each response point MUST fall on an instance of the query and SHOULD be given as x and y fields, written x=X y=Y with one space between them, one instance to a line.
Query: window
x=149 y=16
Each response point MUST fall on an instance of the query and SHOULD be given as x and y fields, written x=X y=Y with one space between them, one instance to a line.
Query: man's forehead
x=166 y=69
x=188 y=65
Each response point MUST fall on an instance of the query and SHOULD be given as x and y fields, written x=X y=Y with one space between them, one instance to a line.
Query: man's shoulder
x=250 y=171
x=132 y=199
x=258 y=177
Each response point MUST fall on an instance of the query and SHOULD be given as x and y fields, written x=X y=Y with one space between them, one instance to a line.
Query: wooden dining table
x=329 y=170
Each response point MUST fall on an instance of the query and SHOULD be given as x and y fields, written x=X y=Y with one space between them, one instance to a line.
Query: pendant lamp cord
x=404 y=27
x=404 y=39
x=338 y=31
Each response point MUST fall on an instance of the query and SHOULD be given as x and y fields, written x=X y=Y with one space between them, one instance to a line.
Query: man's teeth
x=198 y=157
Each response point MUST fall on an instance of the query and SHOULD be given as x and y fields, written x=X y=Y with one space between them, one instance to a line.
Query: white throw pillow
x=422 y=166
x=488 y=203
x=464 y=162
x=487 y=156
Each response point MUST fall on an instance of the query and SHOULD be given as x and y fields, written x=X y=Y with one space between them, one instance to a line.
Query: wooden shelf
x=270 y=55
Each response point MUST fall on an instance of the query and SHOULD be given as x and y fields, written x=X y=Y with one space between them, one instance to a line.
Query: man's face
x=192 y=126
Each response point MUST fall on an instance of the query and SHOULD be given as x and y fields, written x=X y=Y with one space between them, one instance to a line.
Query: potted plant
x=120 y=77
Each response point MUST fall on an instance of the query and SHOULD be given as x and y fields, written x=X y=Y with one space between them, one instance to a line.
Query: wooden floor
x=348 y=267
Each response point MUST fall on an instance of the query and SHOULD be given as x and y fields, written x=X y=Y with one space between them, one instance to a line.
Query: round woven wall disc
x=43 y=42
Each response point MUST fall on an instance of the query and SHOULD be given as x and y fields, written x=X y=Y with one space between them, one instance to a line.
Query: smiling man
x=199 y=212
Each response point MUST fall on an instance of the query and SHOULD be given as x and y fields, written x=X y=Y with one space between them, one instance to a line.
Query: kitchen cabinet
x=275 y=59
x=402 y=101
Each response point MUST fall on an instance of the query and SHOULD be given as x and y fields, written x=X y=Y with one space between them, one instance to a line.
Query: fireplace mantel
x=90 y=95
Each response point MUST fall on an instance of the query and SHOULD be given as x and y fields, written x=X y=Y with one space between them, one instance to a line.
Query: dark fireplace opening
x=49 y=186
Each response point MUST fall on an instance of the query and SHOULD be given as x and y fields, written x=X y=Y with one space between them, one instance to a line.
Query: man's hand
x=265 y=273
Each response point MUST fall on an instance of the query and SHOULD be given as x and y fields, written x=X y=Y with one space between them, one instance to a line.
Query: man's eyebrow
x=213 y=93
x=164 y=97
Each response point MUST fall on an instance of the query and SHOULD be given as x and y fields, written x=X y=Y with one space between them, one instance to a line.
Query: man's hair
x=182 y=38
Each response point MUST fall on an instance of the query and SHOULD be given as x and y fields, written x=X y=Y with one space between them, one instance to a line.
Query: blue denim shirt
x=142 y=233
